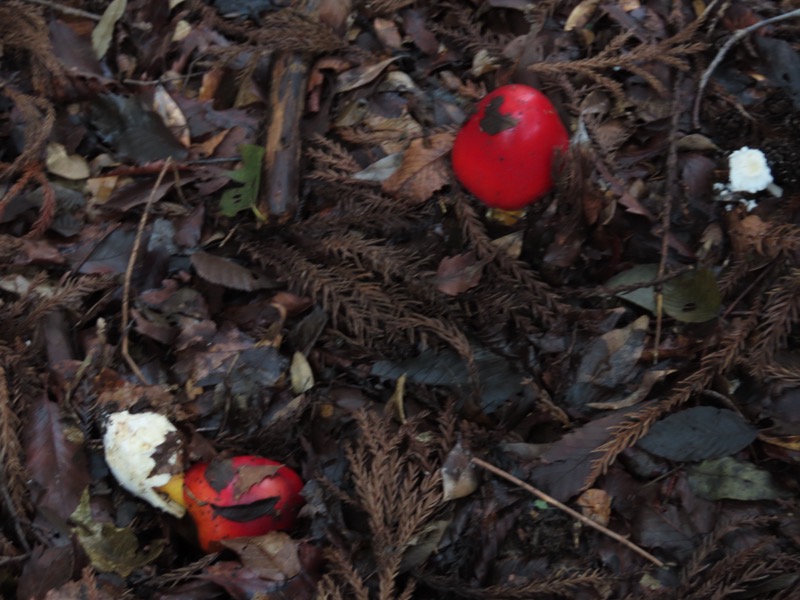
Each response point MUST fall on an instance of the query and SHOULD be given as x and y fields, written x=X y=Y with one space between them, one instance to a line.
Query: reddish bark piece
x=240 y=497
x=504 y=153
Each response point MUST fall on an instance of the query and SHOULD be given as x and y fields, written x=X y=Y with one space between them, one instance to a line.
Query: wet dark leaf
x=133 y=131
x=609 y=362
x=75 y=51
x=566 y=464
x=699 y=433
x=247 y=8
x=103 y=251
x=56 y=459
x=782 y=63
x=499 y=378
x=47 y=569
x=228 y=274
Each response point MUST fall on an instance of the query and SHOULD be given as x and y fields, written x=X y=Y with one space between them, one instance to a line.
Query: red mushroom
x=239 y=497
x=504 y=152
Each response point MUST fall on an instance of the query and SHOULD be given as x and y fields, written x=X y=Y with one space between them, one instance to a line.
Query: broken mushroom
x=144 y=451
x=243 y=496
x=504 y=152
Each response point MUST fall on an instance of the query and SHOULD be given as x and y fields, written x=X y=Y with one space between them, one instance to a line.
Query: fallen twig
x=67 y=10
x=572 y=513
x=126 y=290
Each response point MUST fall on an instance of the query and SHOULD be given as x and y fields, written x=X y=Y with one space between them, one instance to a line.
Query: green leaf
x=692 y=297
x=111 y=549
x=235 y=200
x=729 y=478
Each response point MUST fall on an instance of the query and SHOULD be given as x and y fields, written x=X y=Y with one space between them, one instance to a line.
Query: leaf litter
x=311 y=284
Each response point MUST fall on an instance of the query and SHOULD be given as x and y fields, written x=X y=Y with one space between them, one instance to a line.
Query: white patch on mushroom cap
x=749 y=171
x=133 y=443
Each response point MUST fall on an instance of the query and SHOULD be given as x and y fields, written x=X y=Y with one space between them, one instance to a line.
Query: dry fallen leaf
x=459 y=475
x=424 y=168
x=273 y=556
x=596 y=505
x=227 y=273
x=68 y=166
x=355 y=78
x=747 y=234
x=301 y=374
x=387 y=33
x=168 y=110
x=580 y=15
x=458 y=273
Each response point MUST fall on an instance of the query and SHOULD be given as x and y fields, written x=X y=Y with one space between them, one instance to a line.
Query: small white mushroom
x=749 y=172
x=144 y=451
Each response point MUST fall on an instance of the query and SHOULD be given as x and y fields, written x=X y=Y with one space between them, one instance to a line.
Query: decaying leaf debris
x=628 y=344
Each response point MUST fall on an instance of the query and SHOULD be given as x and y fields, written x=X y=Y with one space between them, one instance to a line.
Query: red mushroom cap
x=240 y=496
x=504 y=152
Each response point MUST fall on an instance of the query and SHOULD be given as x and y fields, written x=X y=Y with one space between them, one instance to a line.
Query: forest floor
x=242 y=215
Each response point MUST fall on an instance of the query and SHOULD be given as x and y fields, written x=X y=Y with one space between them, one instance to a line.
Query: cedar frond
x=362 y=135
x=399 y=490
x=327 y=154
x=285 y=30
x=359 y=304
x=10 y=246
x=291 y=30
x=14 y=478
x=564 y=586
x=714 y=570
x=368 y=254
x=465 y=33
x=673 y=51
x=25 y=313
x=368 y=211
x=781 y=239
x=47 y=213
x=342 y=581
x=781 y=312
x=38 y=116
x=737 y=271
x=785 y=367
x=537 y=295
x=391 y=264
x=183 y=573
x=24 y=31
x=729 y=351
x=387 y=7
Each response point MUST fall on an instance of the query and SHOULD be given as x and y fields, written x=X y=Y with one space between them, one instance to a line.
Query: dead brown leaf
x=273 y=556
x=457 y=274
x=595 y=504
x=55 y=459
x=424 y=168
x=227 y=273
x=362 y=75
x=747 y=234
